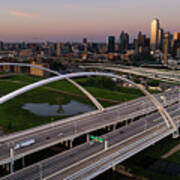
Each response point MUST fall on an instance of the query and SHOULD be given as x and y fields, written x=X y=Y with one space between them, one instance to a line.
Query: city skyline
x=71 y=21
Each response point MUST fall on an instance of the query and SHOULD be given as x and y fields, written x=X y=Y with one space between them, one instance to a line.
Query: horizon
x=63 y=20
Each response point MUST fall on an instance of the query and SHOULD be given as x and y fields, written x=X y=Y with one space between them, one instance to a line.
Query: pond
x=46 y=110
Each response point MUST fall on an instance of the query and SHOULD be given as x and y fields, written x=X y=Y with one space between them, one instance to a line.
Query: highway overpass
x=92 y=158
x=71 y=128
x=157 y=74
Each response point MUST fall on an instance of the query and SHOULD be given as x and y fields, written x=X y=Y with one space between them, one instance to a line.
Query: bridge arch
x=88 y=94
x=166 y=117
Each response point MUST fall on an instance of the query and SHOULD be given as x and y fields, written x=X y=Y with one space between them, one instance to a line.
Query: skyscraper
x=155 y=26
x=123 y=42
x=175 y=44
x=58 y=49
x=111 y=44
x=177 y=36
x=167 y=46
x=141 y=39
x=85 y=44
x=1 y=45
x=161 y=37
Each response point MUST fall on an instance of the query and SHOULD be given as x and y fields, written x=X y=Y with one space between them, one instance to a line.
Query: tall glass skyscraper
x=155 y=26
x=111 y=44
x=161 y=38
x=123 y=42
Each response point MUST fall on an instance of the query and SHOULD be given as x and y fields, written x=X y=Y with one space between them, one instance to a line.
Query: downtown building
x=111 y=44
x=156 y=32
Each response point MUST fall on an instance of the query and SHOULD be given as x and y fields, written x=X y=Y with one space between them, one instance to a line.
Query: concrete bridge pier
x=127 y=123
x=114 y=127
x=7 y=167
x=176 y=134
x=114 y=168
x=23 y=162
x=71 y=143
x=109 y=128
x=66 y=143
x=87 y=138
x=131 y=121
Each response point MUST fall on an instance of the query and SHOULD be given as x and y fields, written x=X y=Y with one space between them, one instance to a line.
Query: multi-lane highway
x=158 y=74
x=88 y=159
x=71 y=128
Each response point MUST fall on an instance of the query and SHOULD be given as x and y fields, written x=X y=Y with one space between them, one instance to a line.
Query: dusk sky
x=67 y=20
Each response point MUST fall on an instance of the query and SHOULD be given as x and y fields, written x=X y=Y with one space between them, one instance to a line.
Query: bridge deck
x=90 y=159
x=49 y=135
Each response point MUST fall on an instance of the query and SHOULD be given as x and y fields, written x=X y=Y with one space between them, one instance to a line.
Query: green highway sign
x=97 y=139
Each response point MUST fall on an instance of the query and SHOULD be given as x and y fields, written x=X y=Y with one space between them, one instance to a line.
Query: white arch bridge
x=97 y=157
x=166 y=117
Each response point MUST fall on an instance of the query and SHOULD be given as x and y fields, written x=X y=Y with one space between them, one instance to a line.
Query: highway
x=78 y=162
x=51 y=134
x=158 y=74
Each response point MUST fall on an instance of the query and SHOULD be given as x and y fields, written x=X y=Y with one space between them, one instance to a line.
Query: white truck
x=25 y=144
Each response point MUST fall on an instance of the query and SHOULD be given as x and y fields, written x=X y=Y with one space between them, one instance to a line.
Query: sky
x=71 y=20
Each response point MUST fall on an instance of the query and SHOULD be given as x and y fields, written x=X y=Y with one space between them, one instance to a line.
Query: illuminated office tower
x=177 y=36
x=155 y=26
x=175 y=44
x=111 y=44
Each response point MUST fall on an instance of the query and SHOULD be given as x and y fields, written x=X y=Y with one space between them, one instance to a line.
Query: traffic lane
x=124 y=105
x=76 y=155
x=100 y=115
x=55 y=135
x=57 y=130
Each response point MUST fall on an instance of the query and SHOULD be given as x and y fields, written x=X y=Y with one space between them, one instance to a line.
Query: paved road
x=54 y=134
x=70 y=161
x=158 y=74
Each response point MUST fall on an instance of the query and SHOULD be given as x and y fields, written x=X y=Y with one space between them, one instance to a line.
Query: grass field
x=14 y=118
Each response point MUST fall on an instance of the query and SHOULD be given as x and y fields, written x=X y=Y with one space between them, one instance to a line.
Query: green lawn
x=14 y=118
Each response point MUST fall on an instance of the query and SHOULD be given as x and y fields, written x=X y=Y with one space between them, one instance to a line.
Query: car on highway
x=25 y=144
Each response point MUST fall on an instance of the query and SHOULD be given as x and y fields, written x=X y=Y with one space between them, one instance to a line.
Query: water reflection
x=45 y=109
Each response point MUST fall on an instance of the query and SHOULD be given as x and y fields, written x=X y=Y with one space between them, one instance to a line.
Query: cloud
x=22 y=14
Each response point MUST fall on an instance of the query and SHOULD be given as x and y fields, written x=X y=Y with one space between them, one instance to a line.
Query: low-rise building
x=39 y=72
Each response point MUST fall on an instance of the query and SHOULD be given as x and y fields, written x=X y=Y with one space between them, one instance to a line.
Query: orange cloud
x=22 y=14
